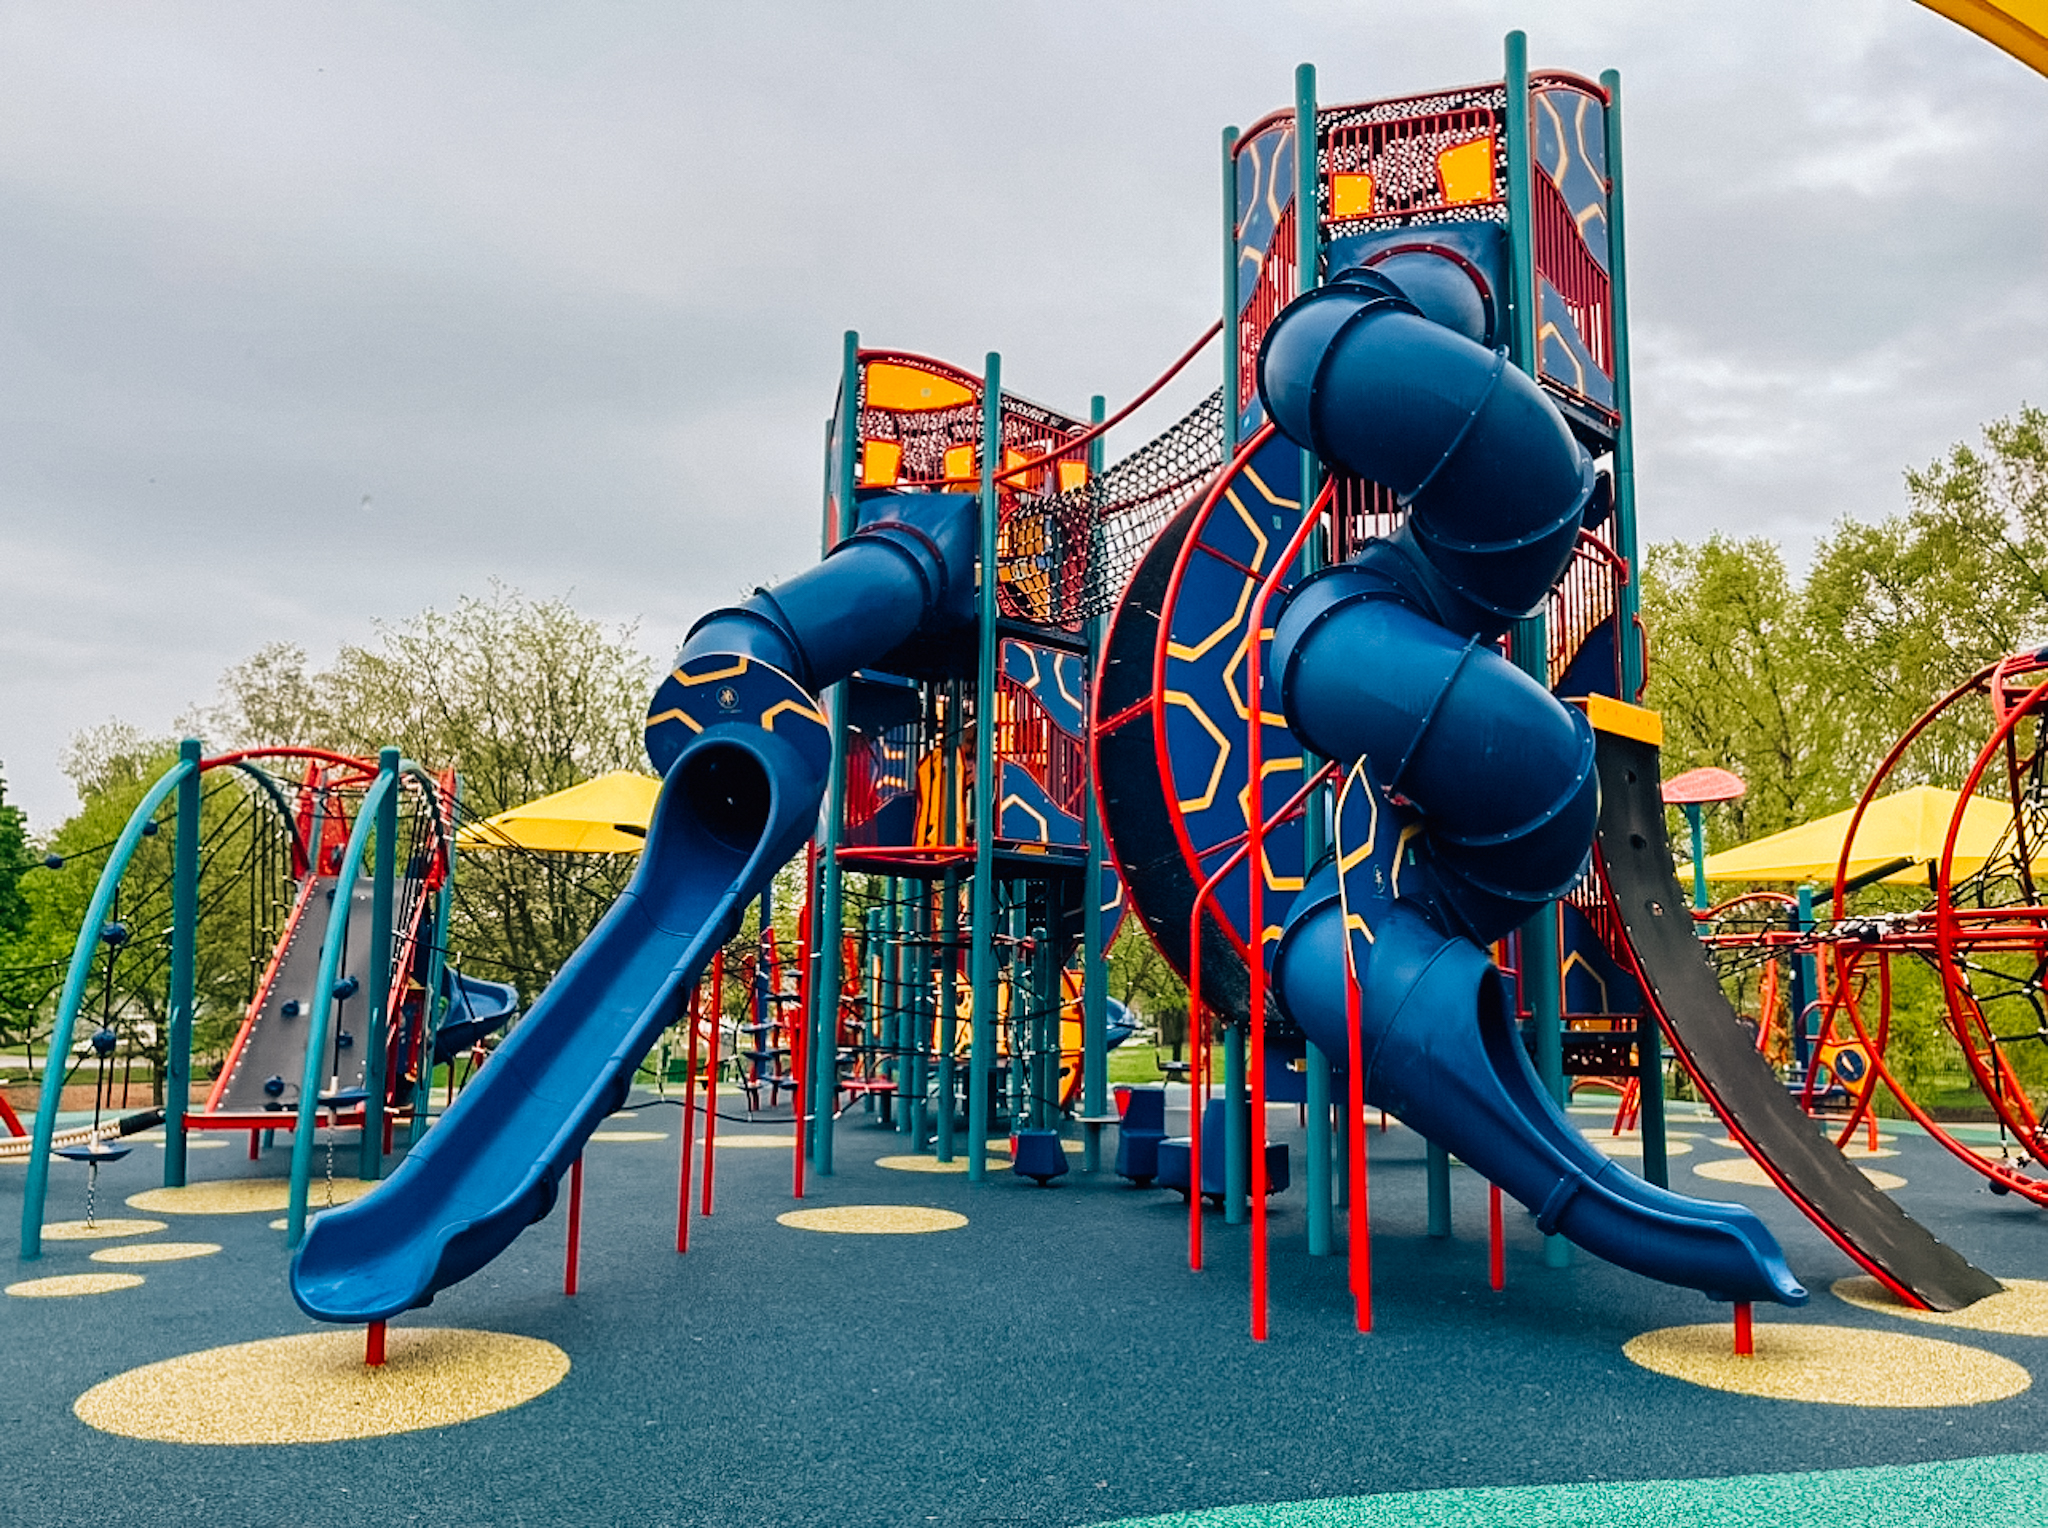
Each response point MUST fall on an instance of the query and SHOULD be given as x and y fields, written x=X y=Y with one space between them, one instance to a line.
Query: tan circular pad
x=65 y=1284
x=922 y=1164
x=2021 y=1311
x=764 y=1142
x=1743 y=1170
x=874 y=1219
x=317 y=1389
x=244 y=1196
x=1632 y=1146
x=629 y=1135
x=155 y=1252
x=1831 y=1365
x=99 y=1230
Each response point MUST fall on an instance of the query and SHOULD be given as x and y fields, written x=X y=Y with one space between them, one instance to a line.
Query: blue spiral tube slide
x=1391 y=660
x=743 y=749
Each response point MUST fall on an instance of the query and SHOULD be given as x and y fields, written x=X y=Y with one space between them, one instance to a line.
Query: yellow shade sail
x=2020 y=27
x=1909 y=825
x=608 y=815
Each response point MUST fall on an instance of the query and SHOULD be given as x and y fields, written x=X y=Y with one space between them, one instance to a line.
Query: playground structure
x=1958 y=901
x=1337 y=673
x=342 y=996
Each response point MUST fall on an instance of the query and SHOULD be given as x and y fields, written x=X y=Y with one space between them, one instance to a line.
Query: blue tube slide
x=1477 y=799
x=743 y=750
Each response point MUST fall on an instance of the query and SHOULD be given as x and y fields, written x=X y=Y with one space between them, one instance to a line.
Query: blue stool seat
x=1039 y=1156
x=1139 y=1133
x=1173 y=1159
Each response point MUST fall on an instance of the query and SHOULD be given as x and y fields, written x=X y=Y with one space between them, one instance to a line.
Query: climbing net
x=1067 y=556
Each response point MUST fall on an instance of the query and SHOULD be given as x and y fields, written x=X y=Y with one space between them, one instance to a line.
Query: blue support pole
x=1696 y=821
x=321 y=1015
x=377 y=1000
x=982 y=961
x=184 y=953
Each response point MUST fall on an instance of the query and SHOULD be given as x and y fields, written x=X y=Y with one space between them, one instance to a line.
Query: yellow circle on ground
x=2020 y=1311
x=155 y=1252
x=1743 y=1170
x=1632 y=1146
x=244 y=1196
x=629 y=1135
x=73 y=1284
x=874 y=1219
x=99 y=1230
x=1865 y=1153
x=317 y=1389
x=191 y=1145
x=1831 y=1365
x=785 y=1142
x=922 y=1164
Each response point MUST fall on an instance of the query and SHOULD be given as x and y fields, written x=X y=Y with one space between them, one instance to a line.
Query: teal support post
x=1237 y=1162
x=36 y=1187
x=1624 y=439
x=896 y=963
x=1437 y=1177
x=949 y=1009
x=184 y=956
x=1095 y=1110
x=1315 y=830
x=982 y=929
x=377 y=979
x=1696 y=822
x=1233 y=404
x=919 y=1006
x=436 y=999
x=825 y=949
x=1807 y=991
x=1531 y=637
x=320 y=1018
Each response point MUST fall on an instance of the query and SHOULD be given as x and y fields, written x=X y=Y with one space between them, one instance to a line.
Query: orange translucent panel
x=1351 y=196
x=1465 y=171
x=892 y=385
x=881 y=463
x=960 y=462
x=1072 y=475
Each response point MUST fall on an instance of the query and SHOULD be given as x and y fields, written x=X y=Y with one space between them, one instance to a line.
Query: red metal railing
x=1402 y=157
x=1563 y=260
x=1585 y=599
x=1273 y=291
x=1026 y=734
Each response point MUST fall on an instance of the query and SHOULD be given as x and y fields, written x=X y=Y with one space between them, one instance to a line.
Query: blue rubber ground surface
x=1054 y=1363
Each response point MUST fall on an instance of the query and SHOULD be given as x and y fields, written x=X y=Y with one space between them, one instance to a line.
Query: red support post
x=1745 y=1331
x=571 y=1265
x=1361 y=1182
x=689 y=1122
x=800 y=1032
x=711 y=1079
x=1496 y=1241
x=373 y=1346
x=256 y=1144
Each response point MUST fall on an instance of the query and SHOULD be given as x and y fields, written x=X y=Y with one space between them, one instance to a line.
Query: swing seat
x=91 y=1151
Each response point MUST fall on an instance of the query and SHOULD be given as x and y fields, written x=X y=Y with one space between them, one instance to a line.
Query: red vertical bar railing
x=1197 y=1029
x=799 y=1034
x=689 y=1120
x=1360 y=1249
x=1255 y=825
x=717 y=1022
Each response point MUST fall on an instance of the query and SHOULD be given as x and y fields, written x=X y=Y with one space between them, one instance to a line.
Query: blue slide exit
x=1473 y=796
x=743 y=750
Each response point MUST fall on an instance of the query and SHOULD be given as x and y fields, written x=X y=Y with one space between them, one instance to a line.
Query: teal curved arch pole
x=37 y=1187
x=369 y=816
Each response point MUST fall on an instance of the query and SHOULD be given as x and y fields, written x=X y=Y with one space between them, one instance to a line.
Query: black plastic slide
x=1636 y=861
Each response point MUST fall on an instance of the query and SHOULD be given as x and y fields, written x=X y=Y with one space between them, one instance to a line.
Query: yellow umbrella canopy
x=608 y=815
x=1906 y=825
x=2020 y=27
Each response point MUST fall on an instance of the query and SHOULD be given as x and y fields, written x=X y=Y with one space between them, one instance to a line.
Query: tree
x=522 y=697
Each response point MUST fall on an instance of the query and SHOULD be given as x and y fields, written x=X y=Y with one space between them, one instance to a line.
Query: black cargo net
x=1066 y=556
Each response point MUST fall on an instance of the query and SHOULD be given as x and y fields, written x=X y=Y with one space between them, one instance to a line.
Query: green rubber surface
x=2007 y=1491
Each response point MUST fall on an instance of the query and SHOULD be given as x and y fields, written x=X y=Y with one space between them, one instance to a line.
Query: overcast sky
x=315 y=315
